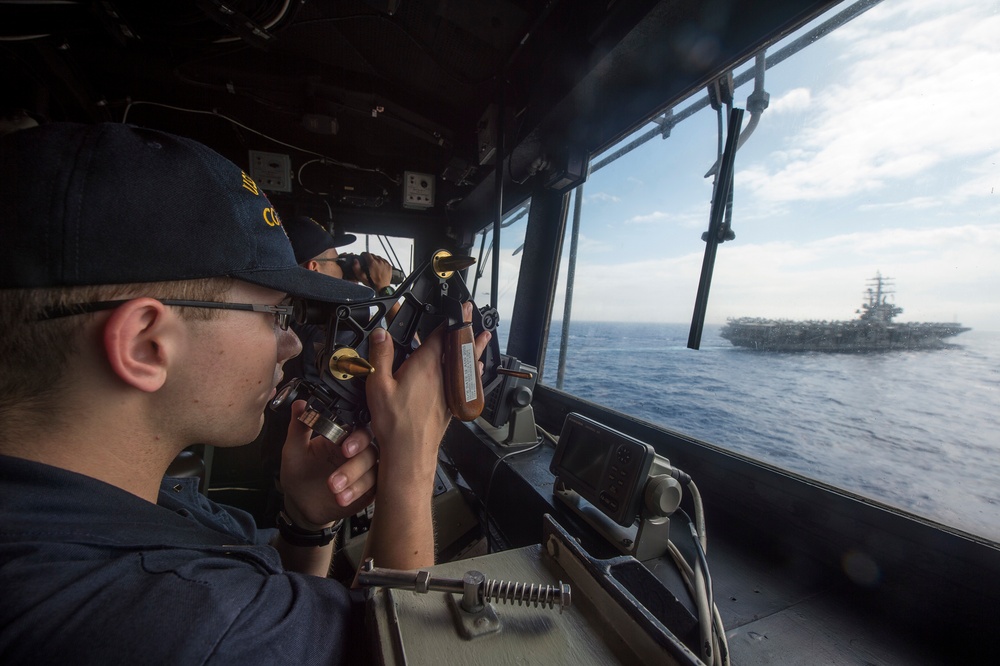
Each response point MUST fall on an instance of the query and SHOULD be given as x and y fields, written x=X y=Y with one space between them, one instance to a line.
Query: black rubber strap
x=297 y=536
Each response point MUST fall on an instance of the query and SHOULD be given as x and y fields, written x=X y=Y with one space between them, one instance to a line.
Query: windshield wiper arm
x=718 y=229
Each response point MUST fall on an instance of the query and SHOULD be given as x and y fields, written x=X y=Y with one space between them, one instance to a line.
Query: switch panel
x=418 y=190
x=271 y=171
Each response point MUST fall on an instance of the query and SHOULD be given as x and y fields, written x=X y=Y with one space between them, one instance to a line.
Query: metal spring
x=523 y=593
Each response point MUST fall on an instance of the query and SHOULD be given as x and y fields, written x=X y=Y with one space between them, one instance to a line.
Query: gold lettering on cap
x=249 y=184
x=271 y=217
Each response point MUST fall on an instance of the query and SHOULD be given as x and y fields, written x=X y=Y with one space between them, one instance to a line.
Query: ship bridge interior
x=432 y=120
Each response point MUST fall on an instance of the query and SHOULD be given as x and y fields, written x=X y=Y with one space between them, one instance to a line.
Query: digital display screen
x=585 y=458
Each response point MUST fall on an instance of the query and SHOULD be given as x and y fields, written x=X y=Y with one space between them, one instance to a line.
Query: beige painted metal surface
x=416 y=628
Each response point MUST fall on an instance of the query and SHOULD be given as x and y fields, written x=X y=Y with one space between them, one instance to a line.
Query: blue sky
x=879 y=151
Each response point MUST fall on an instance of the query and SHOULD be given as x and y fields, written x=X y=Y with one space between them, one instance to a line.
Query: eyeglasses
x=282 y=313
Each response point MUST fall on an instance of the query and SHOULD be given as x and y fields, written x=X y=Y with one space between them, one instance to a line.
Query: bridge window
x=865 y=216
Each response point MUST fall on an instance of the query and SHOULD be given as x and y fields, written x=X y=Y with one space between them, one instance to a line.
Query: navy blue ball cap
x=310 y=239
x=116 y=204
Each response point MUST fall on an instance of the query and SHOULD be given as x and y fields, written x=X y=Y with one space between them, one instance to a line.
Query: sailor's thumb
x=380 y=355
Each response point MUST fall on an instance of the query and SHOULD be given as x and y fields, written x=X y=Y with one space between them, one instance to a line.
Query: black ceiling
x=405 y=81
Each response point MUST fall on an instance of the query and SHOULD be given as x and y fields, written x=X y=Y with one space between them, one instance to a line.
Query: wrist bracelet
x=297 y=536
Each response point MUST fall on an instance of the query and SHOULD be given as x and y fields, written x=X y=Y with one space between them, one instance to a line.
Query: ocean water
x=917 y=430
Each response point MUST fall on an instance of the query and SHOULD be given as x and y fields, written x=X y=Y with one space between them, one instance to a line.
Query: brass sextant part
x=346 y=364
x=444 y=264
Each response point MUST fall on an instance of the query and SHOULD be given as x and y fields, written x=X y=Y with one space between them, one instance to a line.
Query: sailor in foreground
x=143 y=287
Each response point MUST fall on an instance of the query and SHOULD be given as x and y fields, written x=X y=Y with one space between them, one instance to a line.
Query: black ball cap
x=117 y=204
x=310 y=239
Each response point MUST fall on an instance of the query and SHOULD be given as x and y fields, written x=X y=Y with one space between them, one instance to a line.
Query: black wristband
x=297 y=536
x=386 y=291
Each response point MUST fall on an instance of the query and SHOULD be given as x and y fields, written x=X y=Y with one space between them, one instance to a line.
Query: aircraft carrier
x=873 y=330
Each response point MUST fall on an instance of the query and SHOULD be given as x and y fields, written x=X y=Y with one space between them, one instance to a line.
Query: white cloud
x=655 y=216
x=589 y=244
x=692 y=218
x=797 y=99
x=982 y=179
x=911 y=98
x=915 y=203
x=603 y=197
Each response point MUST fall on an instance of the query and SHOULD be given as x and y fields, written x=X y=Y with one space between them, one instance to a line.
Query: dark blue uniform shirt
x=91 y=574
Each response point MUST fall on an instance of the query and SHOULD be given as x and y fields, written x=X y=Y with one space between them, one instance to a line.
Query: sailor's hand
x=409 y=412
x=323 y=482
x=379 y=275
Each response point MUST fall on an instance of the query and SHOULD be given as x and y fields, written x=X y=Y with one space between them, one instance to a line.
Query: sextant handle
x=463 y=387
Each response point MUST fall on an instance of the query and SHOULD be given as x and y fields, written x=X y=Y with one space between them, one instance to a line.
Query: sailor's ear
x=137 y=341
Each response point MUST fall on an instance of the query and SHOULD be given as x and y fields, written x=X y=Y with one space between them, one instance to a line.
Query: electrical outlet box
x=418 y=190
x=271 y=171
